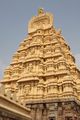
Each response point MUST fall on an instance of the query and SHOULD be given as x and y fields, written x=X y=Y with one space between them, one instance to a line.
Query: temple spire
x=43 y=71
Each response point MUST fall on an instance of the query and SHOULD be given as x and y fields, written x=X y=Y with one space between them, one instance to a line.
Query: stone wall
x=55 y=111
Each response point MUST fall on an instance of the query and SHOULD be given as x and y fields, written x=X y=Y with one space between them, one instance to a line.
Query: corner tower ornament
x=43 y=73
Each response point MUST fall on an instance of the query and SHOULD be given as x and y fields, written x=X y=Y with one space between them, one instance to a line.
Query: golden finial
x=40 y=11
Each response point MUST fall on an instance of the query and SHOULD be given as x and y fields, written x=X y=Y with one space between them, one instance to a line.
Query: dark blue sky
x=14 y=17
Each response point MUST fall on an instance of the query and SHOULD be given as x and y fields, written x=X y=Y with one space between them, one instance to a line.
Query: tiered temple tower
x=43 y=74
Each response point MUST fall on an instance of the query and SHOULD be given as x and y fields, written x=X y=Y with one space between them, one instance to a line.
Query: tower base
x=68 y=110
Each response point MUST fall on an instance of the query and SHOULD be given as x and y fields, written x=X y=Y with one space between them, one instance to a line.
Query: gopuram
x=43 y=75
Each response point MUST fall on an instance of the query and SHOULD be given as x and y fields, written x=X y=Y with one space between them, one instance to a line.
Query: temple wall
x=55 y=111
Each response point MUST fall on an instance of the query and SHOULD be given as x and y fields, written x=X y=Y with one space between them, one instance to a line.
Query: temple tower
x=43 y=74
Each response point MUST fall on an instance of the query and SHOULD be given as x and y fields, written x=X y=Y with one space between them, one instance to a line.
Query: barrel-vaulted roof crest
x=43 y=20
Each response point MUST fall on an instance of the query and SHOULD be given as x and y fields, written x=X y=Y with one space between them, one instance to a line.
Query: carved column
x=39 y=115
x=52 y=111
x=60 y=111
x=45 y=114
x=33 y=112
